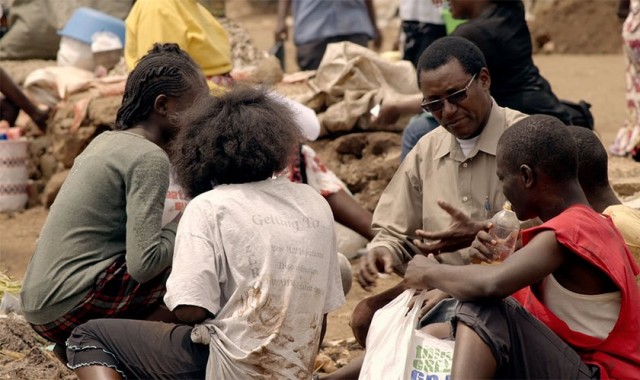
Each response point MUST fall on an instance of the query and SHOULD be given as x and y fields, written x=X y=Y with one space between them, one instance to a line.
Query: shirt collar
x=487 y=143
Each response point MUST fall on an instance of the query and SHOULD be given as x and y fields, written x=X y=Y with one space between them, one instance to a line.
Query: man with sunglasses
x=446 y=189
x=499 y=29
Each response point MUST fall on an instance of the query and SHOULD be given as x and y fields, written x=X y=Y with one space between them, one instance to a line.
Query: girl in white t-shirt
x=255 y=270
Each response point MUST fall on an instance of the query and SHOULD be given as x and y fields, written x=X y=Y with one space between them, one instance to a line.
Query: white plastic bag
x=397 y=350
x=429 y=358
x=389 y=338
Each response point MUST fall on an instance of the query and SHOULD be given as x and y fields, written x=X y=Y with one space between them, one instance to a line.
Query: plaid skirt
x=115 y=295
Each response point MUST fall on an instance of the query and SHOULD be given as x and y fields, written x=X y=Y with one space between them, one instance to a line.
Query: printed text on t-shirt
x=295 y=224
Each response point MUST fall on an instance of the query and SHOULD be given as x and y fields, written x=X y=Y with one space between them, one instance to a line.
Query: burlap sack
x=34 y=25
x=353 y=79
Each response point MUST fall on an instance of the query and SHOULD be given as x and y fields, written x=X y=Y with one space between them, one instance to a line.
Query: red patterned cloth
x=115 y=295
x=627 y=140
x=308 y=168
x=222 y=80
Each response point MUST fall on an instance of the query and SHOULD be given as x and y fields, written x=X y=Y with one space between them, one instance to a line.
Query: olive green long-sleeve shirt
x=437 y=169
x=110 y=206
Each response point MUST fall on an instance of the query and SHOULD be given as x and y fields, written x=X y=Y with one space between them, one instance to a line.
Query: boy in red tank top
x=575 y=310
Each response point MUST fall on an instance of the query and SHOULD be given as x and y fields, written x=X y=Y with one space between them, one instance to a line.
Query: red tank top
x=593 y=237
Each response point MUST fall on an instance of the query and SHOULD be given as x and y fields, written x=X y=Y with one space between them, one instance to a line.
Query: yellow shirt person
x=184 y=22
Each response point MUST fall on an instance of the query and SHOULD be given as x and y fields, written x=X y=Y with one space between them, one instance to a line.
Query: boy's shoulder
x=572 y=223
x=585 y=232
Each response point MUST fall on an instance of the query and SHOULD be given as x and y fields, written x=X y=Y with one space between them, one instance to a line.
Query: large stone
x=102 y=111
x=67 y=147
x=624 y=176
x=365 y=162
x=77 y=121
x=576 y=26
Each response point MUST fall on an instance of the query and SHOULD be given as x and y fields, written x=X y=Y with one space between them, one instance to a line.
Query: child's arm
x=542 y=256
x=192 y=315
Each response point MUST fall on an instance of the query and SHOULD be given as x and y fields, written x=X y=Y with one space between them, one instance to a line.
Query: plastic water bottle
x=504 y=231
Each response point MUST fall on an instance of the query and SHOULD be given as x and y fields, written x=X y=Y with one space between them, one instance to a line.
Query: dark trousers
x=418 y=36
x=524 y=347
x=138 y=349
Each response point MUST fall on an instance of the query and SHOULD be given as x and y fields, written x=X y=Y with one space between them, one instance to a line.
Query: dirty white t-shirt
x=262 y=258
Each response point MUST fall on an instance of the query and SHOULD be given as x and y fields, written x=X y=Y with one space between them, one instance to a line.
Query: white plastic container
x=14 y=175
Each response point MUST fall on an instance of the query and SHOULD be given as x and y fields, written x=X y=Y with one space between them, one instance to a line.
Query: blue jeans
x=419 y=126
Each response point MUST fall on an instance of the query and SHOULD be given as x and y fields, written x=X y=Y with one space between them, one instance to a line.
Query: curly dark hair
x=245 y=135
x=165 y=69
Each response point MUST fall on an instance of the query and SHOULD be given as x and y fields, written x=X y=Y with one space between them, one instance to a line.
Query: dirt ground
x=599 y=79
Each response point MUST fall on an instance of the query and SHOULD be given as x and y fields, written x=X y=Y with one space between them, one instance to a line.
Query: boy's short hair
x=242 y=136
x=543 y=143
x=593 y=160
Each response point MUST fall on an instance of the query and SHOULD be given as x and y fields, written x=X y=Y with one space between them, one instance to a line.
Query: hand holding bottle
x=504 y=230
x=496 y=244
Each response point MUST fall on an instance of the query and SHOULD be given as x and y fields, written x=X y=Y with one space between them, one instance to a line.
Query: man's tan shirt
x=436 y=169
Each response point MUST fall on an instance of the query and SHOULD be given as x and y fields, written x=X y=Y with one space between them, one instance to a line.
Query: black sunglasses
x=455 y=98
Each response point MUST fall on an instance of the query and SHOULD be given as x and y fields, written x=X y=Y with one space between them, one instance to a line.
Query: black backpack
x=579 y=113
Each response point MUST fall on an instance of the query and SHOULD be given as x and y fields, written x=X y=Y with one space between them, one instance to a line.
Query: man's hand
x=376 y=260
x=282 y=32
x=460 y=233
x=377 y=40
x=414 y=276
x=434 y=296
x=390 y=112
x=388 y=115
x=482 y=248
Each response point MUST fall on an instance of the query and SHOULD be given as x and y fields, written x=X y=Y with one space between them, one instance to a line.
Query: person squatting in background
x=499 y=29
x=186 y=23
x=593 y=175
x=318 y=23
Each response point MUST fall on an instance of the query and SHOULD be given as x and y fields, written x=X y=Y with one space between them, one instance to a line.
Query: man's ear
x=485 y=78
x=160 y=105
x=527 y=175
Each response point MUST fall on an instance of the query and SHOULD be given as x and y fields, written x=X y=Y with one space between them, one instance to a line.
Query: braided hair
x=165 y=70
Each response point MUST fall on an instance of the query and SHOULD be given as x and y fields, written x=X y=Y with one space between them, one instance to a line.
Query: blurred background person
x=318 y=23
x=422 y=23
x=12 y=100
x=186 y=23
x=499 y=29
x=627 y=140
